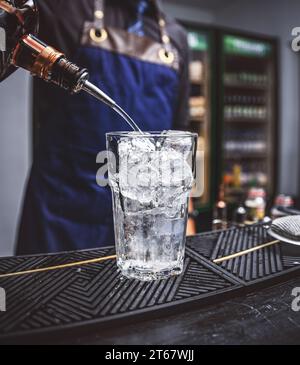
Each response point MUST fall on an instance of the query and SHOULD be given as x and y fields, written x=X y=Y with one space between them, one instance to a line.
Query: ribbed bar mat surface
x=96 y=294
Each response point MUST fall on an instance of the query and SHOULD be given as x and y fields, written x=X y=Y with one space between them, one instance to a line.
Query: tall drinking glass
x=151 y=176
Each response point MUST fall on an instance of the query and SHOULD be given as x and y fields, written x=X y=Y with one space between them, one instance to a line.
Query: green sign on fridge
x=246 y=47
x=197 y=41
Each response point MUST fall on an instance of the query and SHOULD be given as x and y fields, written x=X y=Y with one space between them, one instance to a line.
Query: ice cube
x=175 y=170
x=137 y=173
x=177 y=143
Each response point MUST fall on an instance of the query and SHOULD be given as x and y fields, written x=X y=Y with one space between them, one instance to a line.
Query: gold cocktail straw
x=241 y=253
x=58 y=267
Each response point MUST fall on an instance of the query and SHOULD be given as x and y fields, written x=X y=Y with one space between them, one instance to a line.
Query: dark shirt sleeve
x=179 y=39
x=61 y=23
x=181 y=120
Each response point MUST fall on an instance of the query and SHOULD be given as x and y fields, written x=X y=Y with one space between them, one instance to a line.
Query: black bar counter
x=246 y=300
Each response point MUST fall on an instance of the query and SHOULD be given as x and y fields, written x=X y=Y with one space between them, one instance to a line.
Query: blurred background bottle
x=220 y=212
x=240 y=216
x=281 y=201
x=256 y=204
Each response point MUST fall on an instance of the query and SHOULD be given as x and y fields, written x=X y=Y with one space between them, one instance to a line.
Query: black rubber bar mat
x=96 y=294
x=253 y=268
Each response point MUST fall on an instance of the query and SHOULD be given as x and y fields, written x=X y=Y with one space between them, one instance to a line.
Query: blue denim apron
x=64 y=208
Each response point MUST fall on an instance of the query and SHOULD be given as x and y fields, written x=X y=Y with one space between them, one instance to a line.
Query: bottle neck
x=48 y=64
x=35 y=57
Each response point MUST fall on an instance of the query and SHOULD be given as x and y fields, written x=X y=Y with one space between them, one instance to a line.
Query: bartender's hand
x=191 y=225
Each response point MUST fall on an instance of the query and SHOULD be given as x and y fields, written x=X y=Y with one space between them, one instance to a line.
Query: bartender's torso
x=61 y=25
x=64 y=208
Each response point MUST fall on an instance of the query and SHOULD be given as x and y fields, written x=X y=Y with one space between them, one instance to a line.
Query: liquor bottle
x=256 y=204
x=240 y=216
x=22 y=49
x=19 y=47
x=281 y=201
x=236 y=173
x=220 y=212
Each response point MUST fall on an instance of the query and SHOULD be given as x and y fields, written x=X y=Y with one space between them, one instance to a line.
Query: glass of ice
x=151 y=176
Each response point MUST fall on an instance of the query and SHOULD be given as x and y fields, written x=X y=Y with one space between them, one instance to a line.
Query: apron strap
x=166 y=54
x=99 y=34
x=99 y=14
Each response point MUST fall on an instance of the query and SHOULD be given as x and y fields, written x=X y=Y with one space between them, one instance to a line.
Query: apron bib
x=64 y=208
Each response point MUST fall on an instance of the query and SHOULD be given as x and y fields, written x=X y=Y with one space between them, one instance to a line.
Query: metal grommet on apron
x=98 y=35
x=166 y=56
x=64 y=207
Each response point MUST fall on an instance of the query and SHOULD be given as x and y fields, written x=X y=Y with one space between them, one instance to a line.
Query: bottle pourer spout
x=98 y=94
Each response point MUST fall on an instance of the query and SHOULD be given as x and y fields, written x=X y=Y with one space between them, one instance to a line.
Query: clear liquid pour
x=100 y=95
